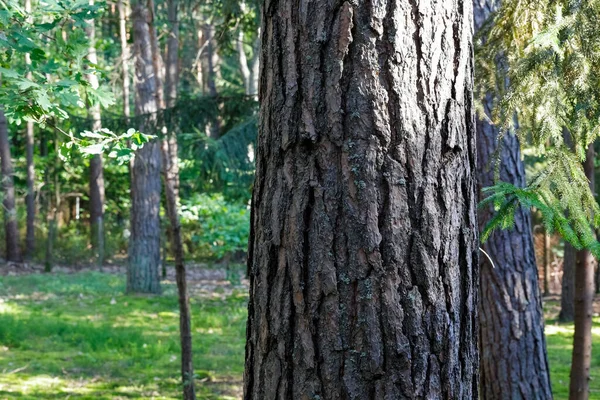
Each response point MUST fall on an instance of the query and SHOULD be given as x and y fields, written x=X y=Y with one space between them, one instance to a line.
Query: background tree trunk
x=30 y=198
x=547 y=276
x=124 y=57
x=11 y=227
x=96 y=168
x=514 y=363
x=144 y=243
x=363 y=245
x=579 y=387
x=171 y=175
x=209 y=60
x=567 y=302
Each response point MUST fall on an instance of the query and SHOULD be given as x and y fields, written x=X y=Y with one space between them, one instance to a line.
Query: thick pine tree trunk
x=96 y=168
x=144 y=243
x=363 y=249
x=514 y=364
x=579 y=386
x=30 y=198
x=11 y=227
x=567 y=301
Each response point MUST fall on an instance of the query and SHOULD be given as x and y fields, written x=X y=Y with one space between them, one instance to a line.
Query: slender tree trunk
x=52 y=212
x=124 y=57
x=363 y=246
x=514 y=364
x=172 y=65
x=171 y=175
x=243 y=61
x=209 y=60
x=546 y=264
x=579 y=387
x=567 y=302
x=30 y=198
x=597 y=277
x=144 y=244
x=11 y=227
x=96 y=168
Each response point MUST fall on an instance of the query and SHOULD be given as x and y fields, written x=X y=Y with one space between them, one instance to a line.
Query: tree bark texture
x=11 y=227
x=512 y=345
x=514 y=364
x=579 y=386
x=363 y=248
x=144 y=243
x=96 y=168
x=567 y=302
x=29 y=147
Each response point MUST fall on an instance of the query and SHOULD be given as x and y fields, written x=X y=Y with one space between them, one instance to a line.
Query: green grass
x=559 y=341
x=79 y=336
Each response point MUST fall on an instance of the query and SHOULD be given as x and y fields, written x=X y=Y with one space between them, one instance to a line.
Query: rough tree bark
x=171 y=176
x=579 y=386
x=96 y=168
x=144 y=243
x=567 y=302
x=514 y=364
x=11 y=227
x=30 y=198
x=512 y=345
x=363 y=248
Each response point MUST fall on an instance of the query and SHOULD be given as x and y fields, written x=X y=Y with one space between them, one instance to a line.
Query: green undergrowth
x=79 y=336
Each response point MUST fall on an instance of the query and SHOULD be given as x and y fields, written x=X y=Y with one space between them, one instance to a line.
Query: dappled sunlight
x=567 y=330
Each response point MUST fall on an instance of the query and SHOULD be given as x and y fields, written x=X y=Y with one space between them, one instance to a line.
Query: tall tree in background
x=514 y=364
x=552 y=66
x=363 y=252
x=96 y=168
x=579 y=386
x=124 y=57
x=171 y=176
x=11 y=228
x=29 y=140
x=567 y=299
x=144 y=243
x=211 y=69
x=248 y=70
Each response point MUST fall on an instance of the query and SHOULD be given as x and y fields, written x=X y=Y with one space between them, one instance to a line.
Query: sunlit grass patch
x=559 y=340
x=79 y=335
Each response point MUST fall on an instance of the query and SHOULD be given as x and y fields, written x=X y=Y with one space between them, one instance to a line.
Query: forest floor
x=75 y=334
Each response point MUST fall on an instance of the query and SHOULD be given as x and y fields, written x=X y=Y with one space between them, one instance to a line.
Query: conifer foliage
x=549 y=55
